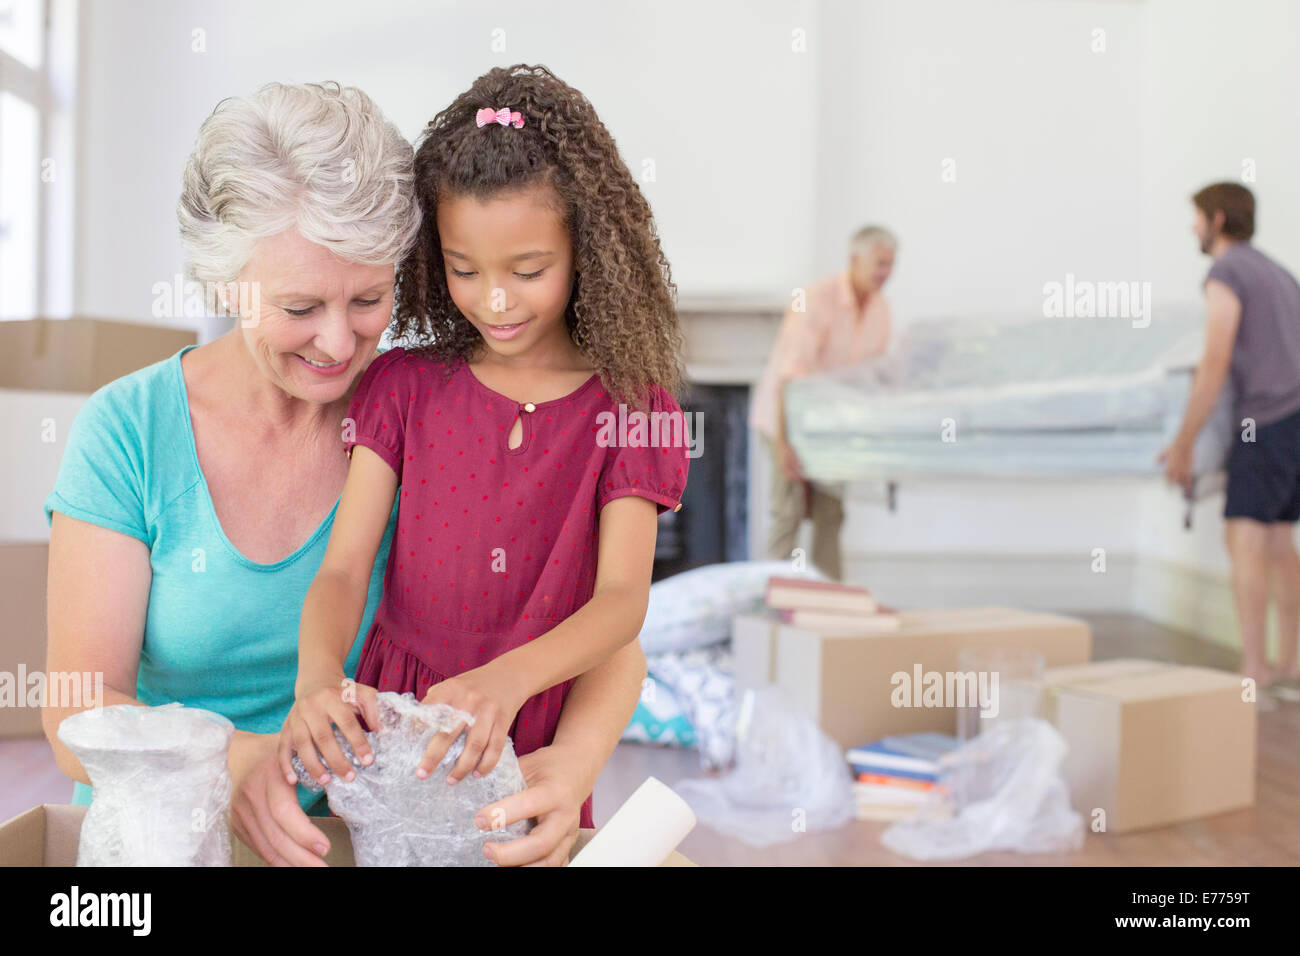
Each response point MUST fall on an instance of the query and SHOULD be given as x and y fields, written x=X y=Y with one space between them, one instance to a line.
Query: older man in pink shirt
x=842 y=320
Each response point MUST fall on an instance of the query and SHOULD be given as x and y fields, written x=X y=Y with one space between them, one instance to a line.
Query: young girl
x=539 y=302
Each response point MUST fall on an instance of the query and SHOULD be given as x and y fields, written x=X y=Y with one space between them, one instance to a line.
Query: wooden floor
x=1266 y=835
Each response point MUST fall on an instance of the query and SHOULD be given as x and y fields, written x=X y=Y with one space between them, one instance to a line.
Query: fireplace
x=727 y=343
x=712 y=526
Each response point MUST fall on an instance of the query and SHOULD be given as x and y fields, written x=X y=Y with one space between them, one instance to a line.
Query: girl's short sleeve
x=102 y=472
x=380 y=406
x=650 y=458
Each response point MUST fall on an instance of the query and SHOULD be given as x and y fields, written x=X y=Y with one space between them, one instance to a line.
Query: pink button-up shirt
x=832 y=332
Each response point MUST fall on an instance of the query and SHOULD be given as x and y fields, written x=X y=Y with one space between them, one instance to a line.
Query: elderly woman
x=195 y=497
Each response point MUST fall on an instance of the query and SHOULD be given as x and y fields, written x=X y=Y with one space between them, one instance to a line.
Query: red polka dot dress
x=495 y=545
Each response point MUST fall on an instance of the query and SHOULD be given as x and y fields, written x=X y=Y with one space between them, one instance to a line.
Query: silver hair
x=313 y=156
x=867 y=235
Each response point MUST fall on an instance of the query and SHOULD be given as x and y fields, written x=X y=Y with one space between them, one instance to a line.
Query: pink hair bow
x=503 y=116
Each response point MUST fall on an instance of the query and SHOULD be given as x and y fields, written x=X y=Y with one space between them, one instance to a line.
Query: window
x=37 y=85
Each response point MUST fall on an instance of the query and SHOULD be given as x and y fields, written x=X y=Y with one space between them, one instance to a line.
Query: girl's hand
x=556 y=782
x=265 y=813
x=310 y=727
x=493 y=699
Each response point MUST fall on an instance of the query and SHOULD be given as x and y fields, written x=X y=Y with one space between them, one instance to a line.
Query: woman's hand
x=309 y=728
x=492 y=696
x=264 y=811
x=557 y=781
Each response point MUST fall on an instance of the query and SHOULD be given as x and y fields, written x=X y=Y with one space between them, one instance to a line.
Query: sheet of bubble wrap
x=397 y=819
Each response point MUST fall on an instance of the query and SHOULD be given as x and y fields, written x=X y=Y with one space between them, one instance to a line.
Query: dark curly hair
x=622 y=314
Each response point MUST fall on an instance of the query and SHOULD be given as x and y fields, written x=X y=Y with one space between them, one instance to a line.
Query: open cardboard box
x=47 y=836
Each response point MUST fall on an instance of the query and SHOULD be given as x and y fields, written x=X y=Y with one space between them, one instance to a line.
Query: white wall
x=710 y=92
x=1041 y=131
x=1220 y=83
x=766 y=158
x=26 y=418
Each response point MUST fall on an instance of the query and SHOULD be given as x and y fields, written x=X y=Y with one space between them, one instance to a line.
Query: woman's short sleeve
x=380 y=406
x=101 y=475
x=649 y=454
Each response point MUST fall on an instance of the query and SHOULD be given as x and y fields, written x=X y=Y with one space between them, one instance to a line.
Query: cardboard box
x=80 y=355
x=47 y=836
x=1153 y=744
x=846 y=681
x=22 y=631
x=48 y=368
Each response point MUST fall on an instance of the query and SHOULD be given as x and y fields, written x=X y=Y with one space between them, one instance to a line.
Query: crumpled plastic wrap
x=162 y=787
x=1008 y=793
x=789 y=777
x=397 y=819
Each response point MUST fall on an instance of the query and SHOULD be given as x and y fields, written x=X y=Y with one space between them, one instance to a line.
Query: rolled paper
x=644 y=830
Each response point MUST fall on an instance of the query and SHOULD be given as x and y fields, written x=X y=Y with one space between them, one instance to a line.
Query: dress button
x=530 y=407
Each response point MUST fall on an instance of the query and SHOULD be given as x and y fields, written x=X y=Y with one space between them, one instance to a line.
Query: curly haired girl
x=530 y=423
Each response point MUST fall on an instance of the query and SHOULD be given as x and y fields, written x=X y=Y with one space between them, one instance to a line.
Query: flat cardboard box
x=844 y=681
x=81 y=354
x=22 y=630
x=47 y=836
x=1153 y=744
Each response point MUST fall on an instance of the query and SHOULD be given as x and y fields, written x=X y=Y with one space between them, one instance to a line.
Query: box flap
x=1162 y=683
x=1078 y=674
x=22 y=839
x=62 y=833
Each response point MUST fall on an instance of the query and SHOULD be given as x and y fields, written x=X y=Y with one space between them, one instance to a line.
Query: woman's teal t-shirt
x=221 y=631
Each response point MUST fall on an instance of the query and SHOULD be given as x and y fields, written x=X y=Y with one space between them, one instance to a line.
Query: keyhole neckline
x=523 y=406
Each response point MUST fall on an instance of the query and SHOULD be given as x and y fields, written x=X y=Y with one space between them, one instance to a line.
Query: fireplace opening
x=712 y=526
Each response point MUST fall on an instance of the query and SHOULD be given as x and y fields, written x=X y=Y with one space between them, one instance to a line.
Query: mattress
x=1031 y=398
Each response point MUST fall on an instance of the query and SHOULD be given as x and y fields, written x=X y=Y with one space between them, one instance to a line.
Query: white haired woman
x=195 y=497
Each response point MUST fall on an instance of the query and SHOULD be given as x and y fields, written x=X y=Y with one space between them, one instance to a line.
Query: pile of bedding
x=688 y=699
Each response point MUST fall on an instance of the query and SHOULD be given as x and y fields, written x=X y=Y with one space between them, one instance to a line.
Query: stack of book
x=827 y=607
x=896 y=776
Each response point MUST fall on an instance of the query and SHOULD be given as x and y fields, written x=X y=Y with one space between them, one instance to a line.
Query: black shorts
x=1264 y=475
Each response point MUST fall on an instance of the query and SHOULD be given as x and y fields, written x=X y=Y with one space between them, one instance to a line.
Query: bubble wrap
x=162 y=787
x=397 y=819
